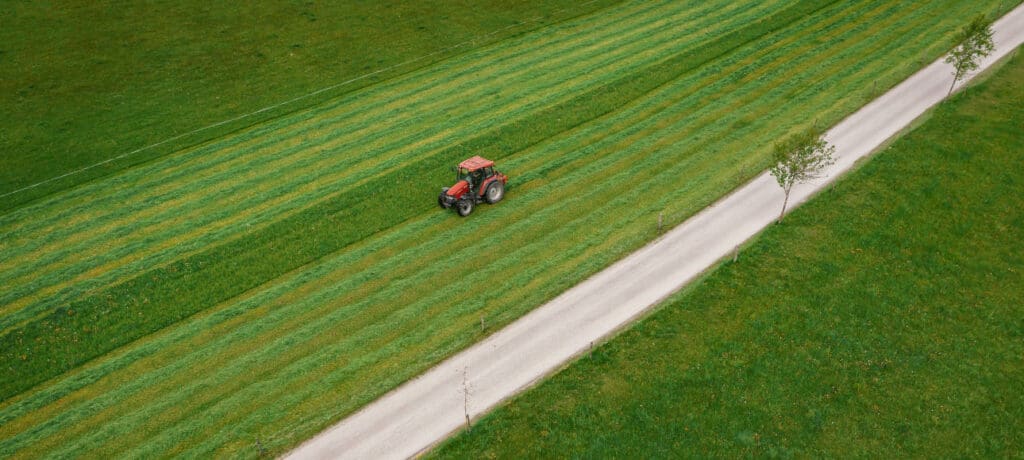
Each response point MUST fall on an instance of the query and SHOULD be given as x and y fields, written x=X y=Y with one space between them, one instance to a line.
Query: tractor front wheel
x=495 y=192
x=465 y=207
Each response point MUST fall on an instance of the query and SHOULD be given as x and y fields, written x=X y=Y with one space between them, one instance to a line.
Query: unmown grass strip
x=149 y=99
x=219 y=258
x=863 y=305
x=171 y=211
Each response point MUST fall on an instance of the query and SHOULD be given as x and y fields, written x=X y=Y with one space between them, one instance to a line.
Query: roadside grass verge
x=882 y=318
x=337 y=292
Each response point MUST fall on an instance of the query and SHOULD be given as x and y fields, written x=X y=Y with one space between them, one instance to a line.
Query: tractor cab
x=474 y=177
x=476 y=180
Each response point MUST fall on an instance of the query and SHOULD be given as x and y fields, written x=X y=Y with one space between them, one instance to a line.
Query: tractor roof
x=475 y=163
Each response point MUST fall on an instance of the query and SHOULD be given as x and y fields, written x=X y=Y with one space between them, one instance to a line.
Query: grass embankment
x=332 y=329
x=82 y=82
x=882 y=319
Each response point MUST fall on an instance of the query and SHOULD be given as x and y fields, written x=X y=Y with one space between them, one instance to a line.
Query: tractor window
x=489 y=171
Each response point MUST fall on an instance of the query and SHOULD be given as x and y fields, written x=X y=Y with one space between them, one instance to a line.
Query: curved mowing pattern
x=316 y=337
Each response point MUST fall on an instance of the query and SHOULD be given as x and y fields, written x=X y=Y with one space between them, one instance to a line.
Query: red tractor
x=476 y=180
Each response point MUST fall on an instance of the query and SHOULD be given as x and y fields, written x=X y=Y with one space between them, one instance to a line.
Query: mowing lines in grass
x=195 y=219
x=169 y=275
x=293 y=352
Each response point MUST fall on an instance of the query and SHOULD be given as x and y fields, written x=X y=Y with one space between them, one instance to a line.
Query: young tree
x=975 y=42
x=466 y=391
x=800 y=158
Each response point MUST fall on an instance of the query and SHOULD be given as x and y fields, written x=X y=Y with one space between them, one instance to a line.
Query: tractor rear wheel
x=495 y=192
x=465 y=207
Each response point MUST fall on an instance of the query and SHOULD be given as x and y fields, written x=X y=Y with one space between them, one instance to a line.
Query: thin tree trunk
x=465 y=400
x=956 y=78
x=784 y=203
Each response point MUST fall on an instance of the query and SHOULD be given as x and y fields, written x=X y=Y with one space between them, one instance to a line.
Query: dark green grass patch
x=84 y=82
x=881 y=319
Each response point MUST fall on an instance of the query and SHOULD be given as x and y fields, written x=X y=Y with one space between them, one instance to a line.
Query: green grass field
x=883 y=319
x=82 y=82
x=253 y=289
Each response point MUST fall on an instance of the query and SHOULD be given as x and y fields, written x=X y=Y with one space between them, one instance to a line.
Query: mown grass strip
x=868 y=304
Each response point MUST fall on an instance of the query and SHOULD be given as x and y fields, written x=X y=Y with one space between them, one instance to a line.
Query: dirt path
x=425 y=410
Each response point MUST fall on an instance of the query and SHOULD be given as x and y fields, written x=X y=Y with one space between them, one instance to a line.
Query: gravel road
x=425 y=410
